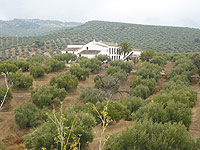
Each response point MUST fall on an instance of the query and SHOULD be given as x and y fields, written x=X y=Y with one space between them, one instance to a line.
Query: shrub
x=20 y=81
x=65 y=57
x=45 y=135
x=117 y=73
x=115 y=110
x=44 y=96
x=173 y=112
x=183 y=95
x=7 y=68
x=3 y=92
x=103 y=58
x=179 y=112
x=140 y=91
x=54 y=65
x=160 y=60
x=92 y=95
x=150 y=83
x=93 y=64
x=132 y=103
x=126 y=66
x=148 y=136
x=147 y=55
x=65 y=80
x=80 y=73
x=149 y=71
x=154 y=111
x=27 y=115
x=23 y=65
x=37 y=70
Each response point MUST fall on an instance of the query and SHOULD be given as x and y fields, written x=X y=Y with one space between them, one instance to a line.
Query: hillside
x=159 y=38
x=31 y=27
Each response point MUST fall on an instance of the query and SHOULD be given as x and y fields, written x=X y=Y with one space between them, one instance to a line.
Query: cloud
x=163 y=12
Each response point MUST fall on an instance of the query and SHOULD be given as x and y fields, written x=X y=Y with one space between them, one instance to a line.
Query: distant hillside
x=31 y=27
x=159 y=38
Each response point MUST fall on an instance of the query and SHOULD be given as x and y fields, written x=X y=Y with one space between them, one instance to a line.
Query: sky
x=153 y=12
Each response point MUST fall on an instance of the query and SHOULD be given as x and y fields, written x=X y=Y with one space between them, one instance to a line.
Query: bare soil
x=9 y=129
x=163 y=79
x=11 y=134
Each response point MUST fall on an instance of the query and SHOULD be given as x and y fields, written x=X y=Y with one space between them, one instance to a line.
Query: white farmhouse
x=94 y=48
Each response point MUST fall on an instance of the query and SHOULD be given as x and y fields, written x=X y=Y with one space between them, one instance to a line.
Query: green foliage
x=23 y=65
x=27 y=115
x=186 y=68
x=54 y=65
x=92 y=95
x=37 y=70
x=154 y=111
x=115 y=110
x=117 y=73
x=113 y=69
x=183 y=95
x=46 y=134
x=149 y=71
x=93 y=64
x=150 y=83
x=147 y=55
x=103 y=58
x=44 y=96
x=152 y=136
x=65 y=80
x=125 y=48
x=132 y=103
x=159 y=38
x=7 y=68
x=173 y=112
x=3 y=92
x=65 y=57
x=20 y=81
x=80 y=73
x=196 y=61
x=42 y=136
x=140 y=91
x=179 y=112
x=126 y=66
x=160 y=60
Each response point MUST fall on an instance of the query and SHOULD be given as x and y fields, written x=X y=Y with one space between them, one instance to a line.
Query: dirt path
x=163 y=79
x=195 y=126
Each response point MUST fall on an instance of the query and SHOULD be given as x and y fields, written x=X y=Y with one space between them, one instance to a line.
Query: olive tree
x=20 y=81
x=65 y=80
x=44 y=96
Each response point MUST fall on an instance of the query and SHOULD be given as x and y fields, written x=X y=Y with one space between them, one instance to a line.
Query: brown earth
x=8 y=126
x=9 y=130
x=195 y=126
x=163 y=79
